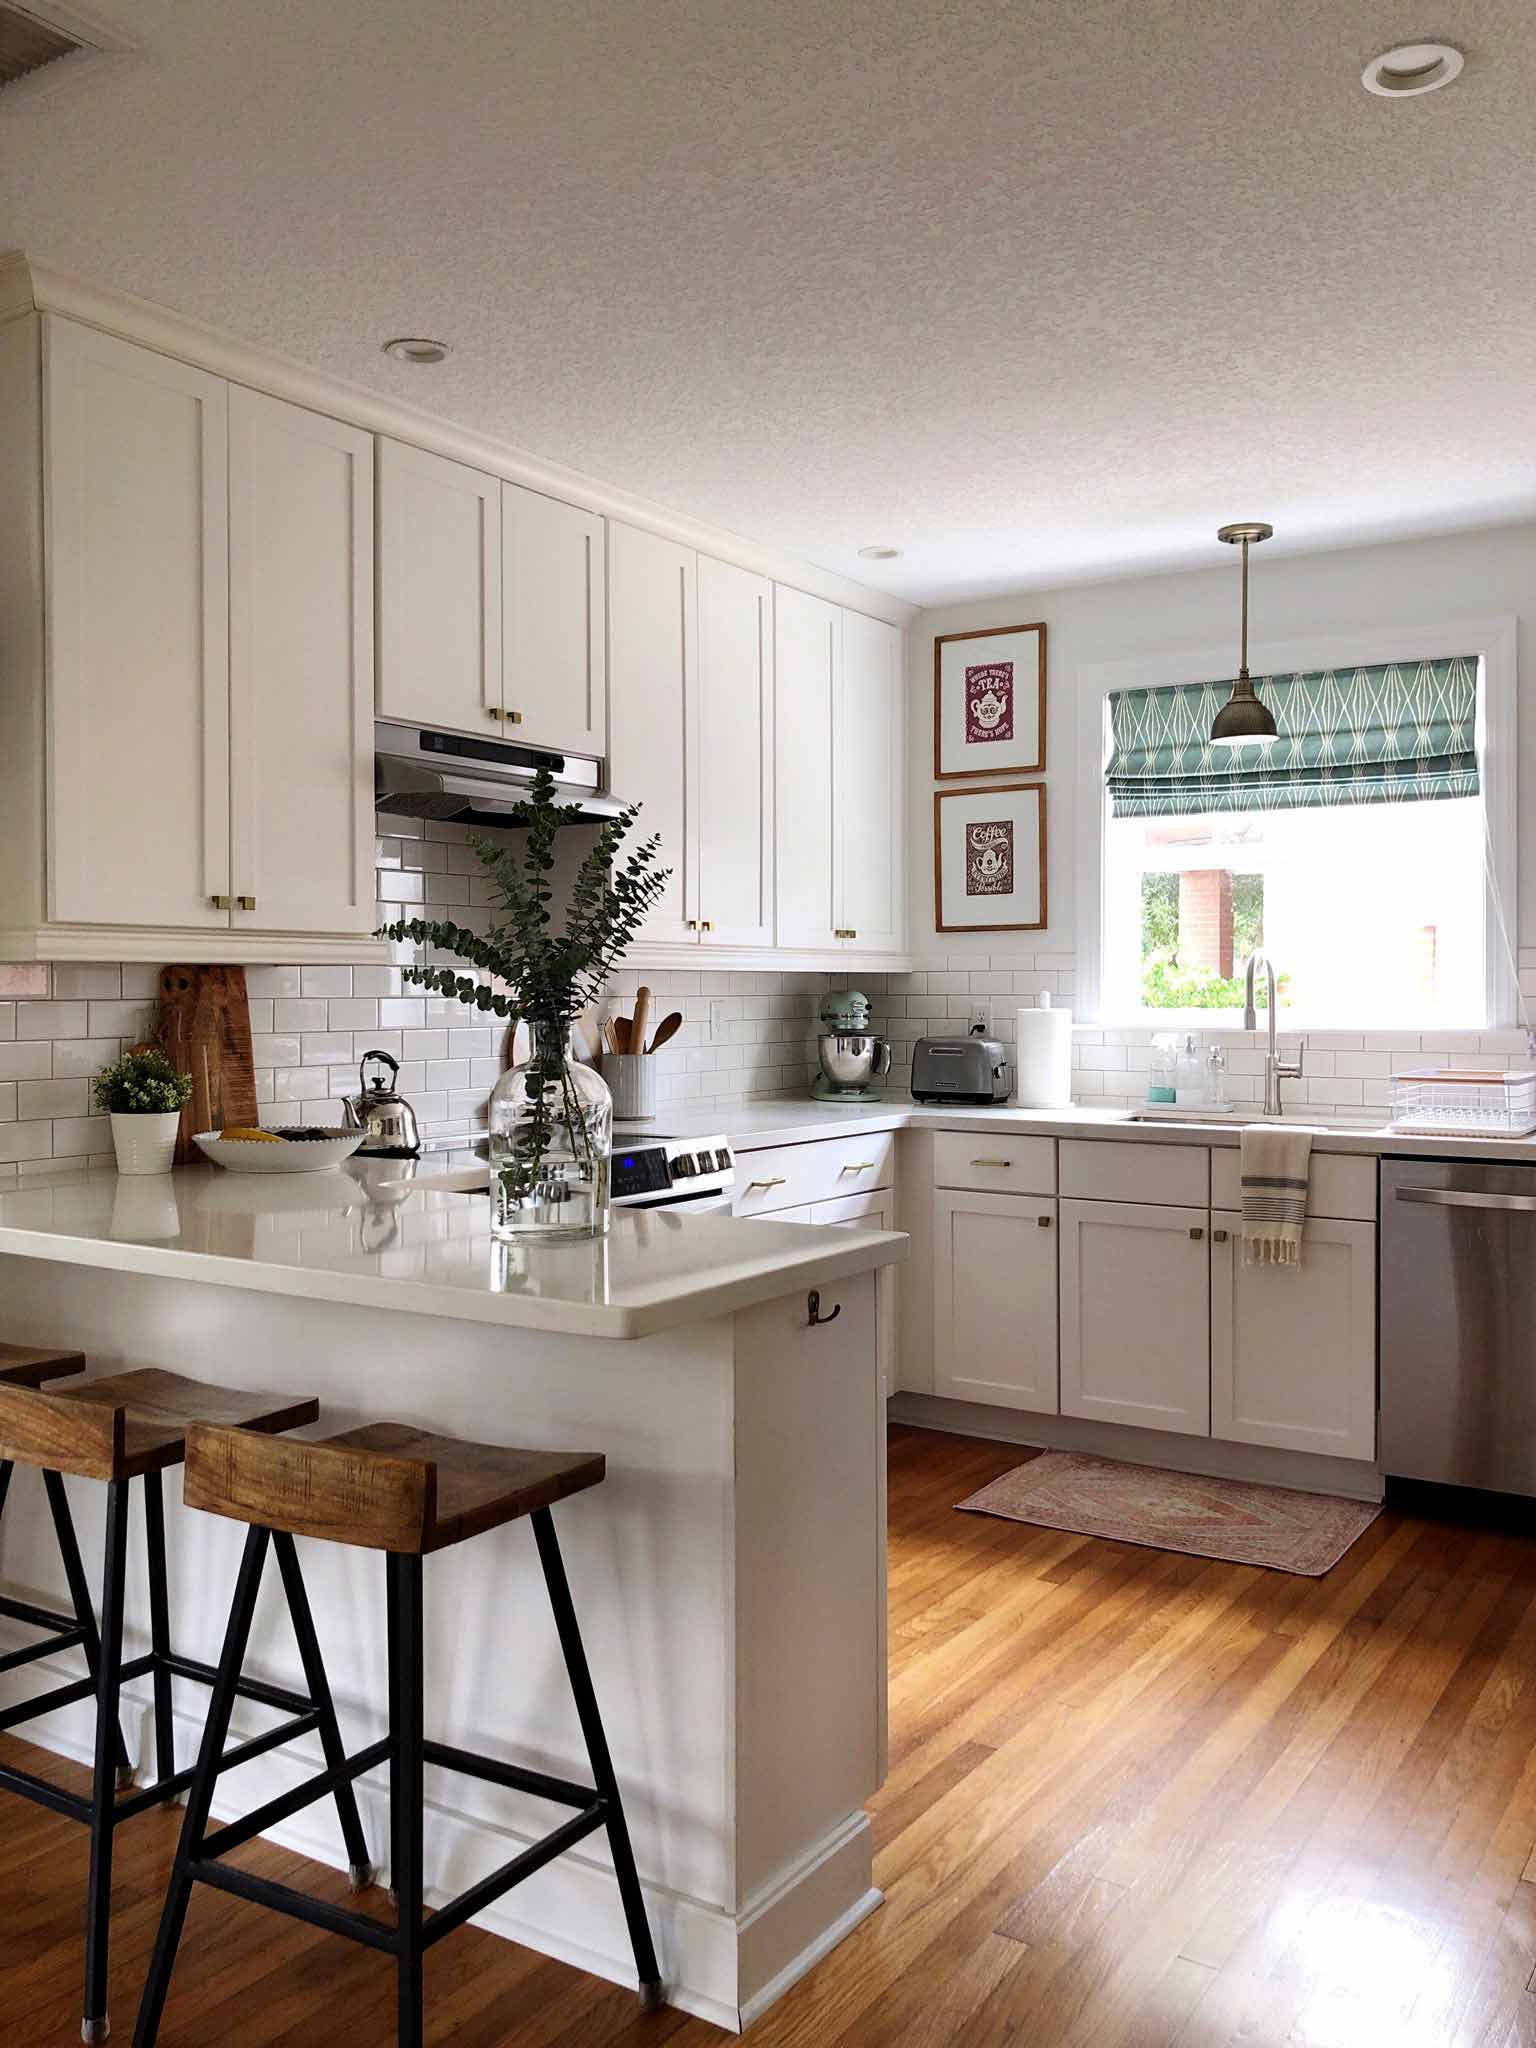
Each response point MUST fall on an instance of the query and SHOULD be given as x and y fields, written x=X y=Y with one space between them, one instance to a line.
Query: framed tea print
x=989 y=859
x=989 y=702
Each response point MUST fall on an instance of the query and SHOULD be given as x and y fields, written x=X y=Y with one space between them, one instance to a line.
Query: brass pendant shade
x=1243 y=721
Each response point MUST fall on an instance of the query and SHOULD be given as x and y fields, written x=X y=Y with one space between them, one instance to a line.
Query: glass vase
x=551 y=1138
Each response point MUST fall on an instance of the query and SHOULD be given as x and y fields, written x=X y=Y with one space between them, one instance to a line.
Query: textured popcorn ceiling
x=1037 y=290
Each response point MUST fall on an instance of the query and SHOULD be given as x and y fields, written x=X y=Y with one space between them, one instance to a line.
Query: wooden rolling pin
x=640 y=1020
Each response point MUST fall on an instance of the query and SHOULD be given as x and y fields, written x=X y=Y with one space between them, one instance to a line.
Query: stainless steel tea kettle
x=388 y=1120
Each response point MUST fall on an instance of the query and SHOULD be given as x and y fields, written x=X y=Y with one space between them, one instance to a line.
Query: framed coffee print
x=989 y=859
x=989 y=702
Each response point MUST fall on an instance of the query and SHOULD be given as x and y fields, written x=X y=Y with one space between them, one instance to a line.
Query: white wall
x=1479 y=575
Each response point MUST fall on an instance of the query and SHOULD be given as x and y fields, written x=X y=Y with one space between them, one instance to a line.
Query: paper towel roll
x=1043 y=1069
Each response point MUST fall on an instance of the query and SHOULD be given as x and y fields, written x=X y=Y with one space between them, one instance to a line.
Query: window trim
x=1494 y=639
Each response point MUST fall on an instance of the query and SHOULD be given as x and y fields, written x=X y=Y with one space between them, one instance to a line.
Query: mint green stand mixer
x=853 y=1058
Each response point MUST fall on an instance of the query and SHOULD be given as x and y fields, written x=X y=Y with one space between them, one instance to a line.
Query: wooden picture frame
x=989 y=713
x=1015 y=814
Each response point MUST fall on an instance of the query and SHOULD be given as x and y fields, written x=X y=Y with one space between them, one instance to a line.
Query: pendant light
x=1243 y=721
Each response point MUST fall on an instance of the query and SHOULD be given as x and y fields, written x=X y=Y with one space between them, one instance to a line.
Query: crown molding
x=30 y=287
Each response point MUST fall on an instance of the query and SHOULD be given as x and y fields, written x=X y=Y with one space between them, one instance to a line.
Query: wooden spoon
x=639 y=1021
x=619 y=1029
x=667 y=1028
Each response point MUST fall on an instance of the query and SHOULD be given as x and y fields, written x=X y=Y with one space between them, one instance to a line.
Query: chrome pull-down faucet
x=1276 y=1069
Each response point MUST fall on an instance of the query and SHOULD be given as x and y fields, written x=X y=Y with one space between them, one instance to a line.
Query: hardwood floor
x=1136 y=1801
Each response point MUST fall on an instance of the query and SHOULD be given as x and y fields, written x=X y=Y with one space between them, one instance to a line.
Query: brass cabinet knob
x=245 y=903
x=1044 y=1222
x=219 y=902
x=706 y=926
x=506 y=717
x=1218 y=1237
x=1196 y=1232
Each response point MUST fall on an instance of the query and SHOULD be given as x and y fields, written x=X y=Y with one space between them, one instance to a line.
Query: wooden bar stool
x=124 y=1427
x=404 y=1492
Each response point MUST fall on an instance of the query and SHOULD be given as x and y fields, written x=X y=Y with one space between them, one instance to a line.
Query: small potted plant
x=144 y=1096
x=551 y=1118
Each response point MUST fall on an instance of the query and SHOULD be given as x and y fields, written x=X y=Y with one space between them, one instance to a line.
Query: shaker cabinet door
x=554 y=681
x=994 y=1300
x=1293 y=1348
x=301 y=668
x=807 y=666
x=138 y=634
x=653 y=757
x=736 y=781
x=1135 y=1315
x=439 y=591
x=871 y=771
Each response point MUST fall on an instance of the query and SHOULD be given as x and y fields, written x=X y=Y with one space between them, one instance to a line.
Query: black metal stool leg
x=603 y=1777
x=319 y=1689
x=407 y=1795
x=94 y=2024
x=80 y=1600
x=159 y=1627
x=200 y=1798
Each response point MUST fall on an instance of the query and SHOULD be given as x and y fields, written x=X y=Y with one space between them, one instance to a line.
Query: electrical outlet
x=719 y=1020
x=981 y=1018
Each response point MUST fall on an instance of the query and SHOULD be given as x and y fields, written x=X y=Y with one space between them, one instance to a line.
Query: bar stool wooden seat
x=124 y=1427
x=407 y=1493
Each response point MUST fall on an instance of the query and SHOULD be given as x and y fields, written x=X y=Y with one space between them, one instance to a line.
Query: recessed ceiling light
x=415 y=348
x=880 y=554
x=1410 y=69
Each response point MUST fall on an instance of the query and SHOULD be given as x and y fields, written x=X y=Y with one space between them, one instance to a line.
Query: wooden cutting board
x=204 y=1028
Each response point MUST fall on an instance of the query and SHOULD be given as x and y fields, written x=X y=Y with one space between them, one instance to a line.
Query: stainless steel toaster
x=972 y=1070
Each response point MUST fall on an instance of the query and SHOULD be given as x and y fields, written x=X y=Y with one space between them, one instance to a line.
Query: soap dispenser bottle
x=1189 y=1076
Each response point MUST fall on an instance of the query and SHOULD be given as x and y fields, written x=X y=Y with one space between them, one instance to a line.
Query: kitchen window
x=1354 y=848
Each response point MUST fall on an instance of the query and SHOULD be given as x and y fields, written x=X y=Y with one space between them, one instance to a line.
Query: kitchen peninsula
x=729 y=1575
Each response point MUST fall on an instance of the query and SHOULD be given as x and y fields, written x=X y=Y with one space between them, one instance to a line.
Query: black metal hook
x=813 y=1304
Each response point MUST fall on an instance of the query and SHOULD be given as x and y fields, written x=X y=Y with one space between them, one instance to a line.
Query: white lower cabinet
x=1293 y=1349
x=994 y=1299
x=1135 y=1315
x=871 y=1212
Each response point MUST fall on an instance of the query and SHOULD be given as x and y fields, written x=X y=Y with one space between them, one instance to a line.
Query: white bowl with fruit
x=300 y=1148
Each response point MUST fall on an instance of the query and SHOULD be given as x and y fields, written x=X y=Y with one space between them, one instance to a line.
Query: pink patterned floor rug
x=1306 y=1533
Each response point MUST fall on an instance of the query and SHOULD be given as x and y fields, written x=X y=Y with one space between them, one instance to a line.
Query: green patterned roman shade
x=1401 y=733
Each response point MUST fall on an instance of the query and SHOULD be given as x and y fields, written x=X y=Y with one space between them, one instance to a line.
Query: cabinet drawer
x=783 y=1176
x=1001 y=1161
x=1340 y=1185
x=1104 y=1170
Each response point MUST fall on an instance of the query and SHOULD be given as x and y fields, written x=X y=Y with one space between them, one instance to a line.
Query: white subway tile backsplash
x=120 y=1020
x=26 y=1141
x=52 y=1098
x=32 y=1060
x=52 y=1020
x=71 y=980
x=272 y=981
x=325 y=981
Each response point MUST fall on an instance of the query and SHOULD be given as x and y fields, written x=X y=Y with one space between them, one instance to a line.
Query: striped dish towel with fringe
x=1276 y=1162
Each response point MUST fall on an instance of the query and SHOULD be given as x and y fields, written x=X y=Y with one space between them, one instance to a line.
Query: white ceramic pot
x=145 y=1144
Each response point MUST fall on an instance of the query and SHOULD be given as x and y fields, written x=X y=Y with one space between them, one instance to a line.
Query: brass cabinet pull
x=857 y=1166
x=1044 y=1222
x=693 y=924
x=991 y=1162
x=219 y=902
x=777 y=1181
x=1196 y=1232
x=245 y=903
x=845 y=934
x=706 y=926
x=506 y=717
x=1218 y=1237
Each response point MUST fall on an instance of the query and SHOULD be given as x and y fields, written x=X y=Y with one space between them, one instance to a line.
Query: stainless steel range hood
x=423 y=772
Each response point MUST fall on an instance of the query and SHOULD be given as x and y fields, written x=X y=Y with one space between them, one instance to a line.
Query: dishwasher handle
x=1460 y=1198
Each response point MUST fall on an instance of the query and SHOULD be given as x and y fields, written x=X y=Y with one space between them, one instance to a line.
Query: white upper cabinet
x=301 y=668
x=840 y=747
x=138 y=635
x=439 y=591
x=654 y=741
x=869 y=786
x=735 y=785
x=554 y=682
x=807 y=662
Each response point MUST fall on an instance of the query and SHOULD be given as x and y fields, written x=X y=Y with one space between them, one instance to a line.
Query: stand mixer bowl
x=854 y=1060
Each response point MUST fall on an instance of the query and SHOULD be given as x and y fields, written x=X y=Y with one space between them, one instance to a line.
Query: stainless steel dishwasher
x=1458 y=1323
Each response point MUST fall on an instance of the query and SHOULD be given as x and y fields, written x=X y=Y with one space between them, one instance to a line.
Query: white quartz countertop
x=336 y=1237
x=753 y=1126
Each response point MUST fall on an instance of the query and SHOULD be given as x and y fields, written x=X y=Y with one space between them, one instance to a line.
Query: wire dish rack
x=1440 y=1102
